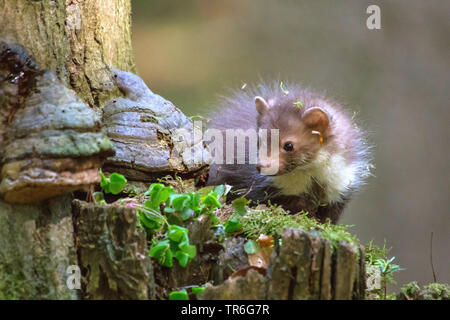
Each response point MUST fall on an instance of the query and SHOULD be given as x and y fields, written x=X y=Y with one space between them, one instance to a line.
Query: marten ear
x=261 y=105
x=316 y=119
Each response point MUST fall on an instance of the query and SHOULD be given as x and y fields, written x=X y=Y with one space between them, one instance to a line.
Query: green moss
x=436 y=291
x=274 y=219
x=374 y=252
x=432 y=291
x=13 y=282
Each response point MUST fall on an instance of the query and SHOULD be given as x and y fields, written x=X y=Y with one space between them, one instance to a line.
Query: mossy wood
x=112 y=252
x=77 y=41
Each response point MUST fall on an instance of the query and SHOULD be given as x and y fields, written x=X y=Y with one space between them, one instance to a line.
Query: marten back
x=323 y=156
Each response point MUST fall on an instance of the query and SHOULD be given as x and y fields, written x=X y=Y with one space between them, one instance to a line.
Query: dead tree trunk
x=78 y=41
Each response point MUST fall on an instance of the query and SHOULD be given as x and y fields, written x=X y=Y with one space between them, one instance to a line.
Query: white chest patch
x=331 y=172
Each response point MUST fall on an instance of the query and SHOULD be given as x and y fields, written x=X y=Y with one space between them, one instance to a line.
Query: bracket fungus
x=51 y=142
x=152 y=137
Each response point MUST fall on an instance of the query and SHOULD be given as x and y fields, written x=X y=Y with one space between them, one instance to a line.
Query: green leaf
x=222 y=190
x=197 y=290
x=177 y=233
x=179 y=201
x=190 y=250
x=154 y=187
x=239 y=206
x=203 y=192
x=298 y=104
x=117 y=183
x=182 y=258
x=161 y=251
x=211 y=200
x=179 y=295
x=158 y=194
x=251 y=247
x=150 y=221
x=187 y=213
x=173 y=218
x=104 y=182
x=99 y=197
x=286 y=92
x=232 y=225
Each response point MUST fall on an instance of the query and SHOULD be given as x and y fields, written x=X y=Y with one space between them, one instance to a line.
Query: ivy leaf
x=232 y=225
x=251 y=247
x=179 y=295
x=239 y=206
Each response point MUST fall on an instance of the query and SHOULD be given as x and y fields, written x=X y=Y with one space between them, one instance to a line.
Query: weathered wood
x=345 y=271
x=199 y=270
x=78 y=41
x=232 y=258
x=112 y=253
x=36 y=247
x=325 y=281
x=303 y=267
x=250 y=287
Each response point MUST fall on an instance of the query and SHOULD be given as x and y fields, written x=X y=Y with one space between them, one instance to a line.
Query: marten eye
x=288 y=146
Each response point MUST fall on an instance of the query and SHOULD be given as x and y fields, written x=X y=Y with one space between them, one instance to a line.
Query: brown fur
x=320 y=124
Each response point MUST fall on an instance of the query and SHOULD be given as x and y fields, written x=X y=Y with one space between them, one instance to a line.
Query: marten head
x=303 y=127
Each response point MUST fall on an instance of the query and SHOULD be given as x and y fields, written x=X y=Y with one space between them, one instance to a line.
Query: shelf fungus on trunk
x=51 y=142
x=152 y=137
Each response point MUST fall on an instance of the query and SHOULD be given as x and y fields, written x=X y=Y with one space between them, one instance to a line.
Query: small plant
x=183 y=294
x=164 y=213
x=114 y=184
x=198 y=290
x=176 y=245
x=377 y=257
x=387 y=269
x=179 y=295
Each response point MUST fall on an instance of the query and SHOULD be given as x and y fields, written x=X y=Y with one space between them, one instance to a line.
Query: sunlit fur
x=326 y=173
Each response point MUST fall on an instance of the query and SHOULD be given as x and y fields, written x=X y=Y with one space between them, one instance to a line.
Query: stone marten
x=323 y=156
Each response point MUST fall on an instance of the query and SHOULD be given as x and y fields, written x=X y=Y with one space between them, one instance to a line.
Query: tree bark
x=78 y=40
x=304 y=267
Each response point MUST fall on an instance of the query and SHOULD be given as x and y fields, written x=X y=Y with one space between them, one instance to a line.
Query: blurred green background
x=396 y=78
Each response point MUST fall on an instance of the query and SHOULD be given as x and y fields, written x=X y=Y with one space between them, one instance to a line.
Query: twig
x=431 y=257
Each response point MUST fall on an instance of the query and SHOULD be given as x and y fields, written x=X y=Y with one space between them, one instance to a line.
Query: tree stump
x=304 y=267
x=113 y=254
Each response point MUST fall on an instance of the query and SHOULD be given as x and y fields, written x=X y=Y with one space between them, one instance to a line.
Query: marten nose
x=262 y=164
